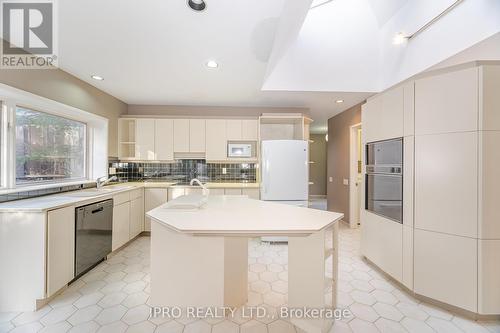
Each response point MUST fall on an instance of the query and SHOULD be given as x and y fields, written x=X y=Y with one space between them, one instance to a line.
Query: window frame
x=42 y=182
x=96 y=139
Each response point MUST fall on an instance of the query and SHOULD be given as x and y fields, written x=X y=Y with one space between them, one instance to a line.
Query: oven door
x=385 y=153
x=384 y=195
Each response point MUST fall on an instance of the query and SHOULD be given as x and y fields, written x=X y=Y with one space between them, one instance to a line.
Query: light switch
x=346 y=181
x=330 y=179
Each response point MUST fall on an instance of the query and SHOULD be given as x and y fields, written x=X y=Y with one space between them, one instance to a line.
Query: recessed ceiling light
x=339 y=101
x=212 y=64
x=97 y=77
x=400 y=38
x=197 y=5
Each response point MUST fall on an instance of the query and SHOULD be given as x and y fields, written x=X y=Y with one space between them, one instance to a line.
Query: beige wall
x=317 y=171
x=62 y=87
x=338 y=158
x=207 y=111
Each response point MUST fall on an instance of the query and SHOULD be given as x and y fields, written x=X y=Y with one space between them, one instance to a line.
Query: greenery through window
x=48 y=148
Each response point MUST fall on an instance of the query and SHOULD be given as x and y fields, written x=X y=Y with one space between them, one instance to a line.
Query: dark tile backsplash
x=182 y=171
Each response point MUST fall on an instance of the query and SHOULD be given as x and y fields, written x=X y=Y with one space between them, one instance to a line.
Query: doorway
x=355 y=175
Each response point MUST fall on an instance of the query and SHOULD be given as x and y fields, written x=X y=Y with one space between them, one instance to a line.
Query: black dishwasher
x=93 y=234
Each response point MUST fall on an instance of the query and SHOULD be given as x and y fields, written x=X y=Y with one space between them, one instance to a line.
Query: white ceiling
x=271 y=52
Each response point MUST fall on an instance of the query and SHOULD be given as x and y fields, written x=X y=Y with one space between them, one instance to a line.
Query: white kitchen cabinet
x=250 y=130
x=232 y=191
x=153 y=197
x=145 y=139
x=489 y=275
x=489 y=189
x=489 y=117
x=60 y=248
x=408 y=179
x=197 y=135
x=216 y=191
x=446 y=183
x=409 y=108
x=382 y=243
x=181 y=135
x=446 y=268
x=136 y=216
x=383 y=116
x=190 y=190
x=407 y=277
x=121 y=225
x=233 y=129
x=253 y=193
x=164 y=139
x=447 y=103
x=216 y=141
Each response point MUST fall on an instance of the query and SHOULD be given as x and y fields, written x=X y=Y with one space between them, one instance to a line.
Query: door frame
x=353 y=172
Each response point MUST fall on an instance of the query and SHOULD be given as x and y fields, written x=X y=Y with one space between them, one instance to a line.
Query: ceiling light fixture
x=212 y=64
x=339 y=101
x=197 y=5
x=97 y=77
x=401 y=38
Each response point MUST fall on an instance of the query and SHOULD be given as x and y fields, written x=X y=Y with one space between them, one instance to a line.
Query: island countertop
x=238 y=215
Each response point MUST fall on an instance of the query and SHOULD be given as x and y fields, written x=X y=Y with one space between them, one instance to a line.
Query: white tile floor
x=113 y=298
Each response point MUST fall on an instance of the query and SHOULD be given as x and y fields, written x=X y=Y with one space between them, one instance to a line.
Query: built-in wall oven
x=384 y=179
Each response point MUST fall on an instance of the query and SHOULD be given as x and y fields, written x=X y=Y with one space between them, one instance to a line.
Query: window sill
x=27 y=188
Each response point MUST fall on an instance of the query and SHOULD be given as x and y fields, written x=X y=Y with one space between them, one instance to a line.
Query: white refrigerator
x=284 y=174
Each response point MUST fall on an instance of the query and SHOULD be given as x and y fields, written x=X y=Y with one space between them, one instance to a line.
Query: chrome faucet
x=205 y=190
x=100 y=183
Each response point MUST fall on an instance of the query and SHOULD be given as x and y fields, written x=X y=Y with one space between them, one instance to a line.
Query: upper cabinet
x=447 y=103
x=164 y=139
x=383 y=116
x=197 y=134
x=181 y=135
x=250 y=130
x=145 y=139
x=216 y=140
x=233 y=130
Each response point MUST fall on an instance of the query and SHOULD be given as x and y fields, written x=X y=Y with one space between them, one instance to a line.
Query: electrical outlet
x=224 y=171
x=346 y=181
x=330 y=179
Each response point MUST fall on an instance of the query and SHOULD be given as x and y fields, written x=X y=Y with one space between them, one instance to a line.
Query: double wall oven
x=384 y=178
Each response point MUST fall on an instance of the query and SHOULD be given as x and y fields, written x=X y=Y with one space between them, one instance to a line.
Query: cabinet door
x=216 y=142
x=445 y=268
x=197 y=135
x=164 y=139
x=181 y=135
x=193 y=191
x=153 y=197
x=60 y=248
x=121 y=225
x=232 y=191
x=250 y=130
x=447 y=102
x=253 y=193
x=145 y=139
x=216 y=191
x=136 y=216
x=233 y=128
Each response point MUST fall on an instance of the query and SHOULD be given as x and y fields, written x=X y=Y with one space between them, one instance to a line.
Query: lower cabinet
x=153 y=197
x=60 y=248
x=253 y=193
x=136 y=216
x=446 y=268
x=121 y=225
x=489 y=277
x=382 y=243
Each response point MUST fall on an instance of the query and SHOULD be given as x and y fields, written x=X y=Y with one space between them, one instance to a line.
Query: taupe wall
x=317 y=171
x=207 y=111
x=338 y=158
x=62 y=87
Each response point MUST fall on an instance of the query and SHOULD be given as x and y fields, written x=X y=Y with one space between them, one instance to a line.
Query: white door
x=285 y=174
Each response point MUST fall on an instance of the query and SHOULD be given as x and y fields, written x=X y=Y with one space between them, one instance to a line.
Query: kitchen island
x=199 y=257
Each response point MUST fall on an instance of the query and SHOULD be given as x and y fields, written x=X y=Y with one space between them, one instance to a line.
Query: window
x=49 y=148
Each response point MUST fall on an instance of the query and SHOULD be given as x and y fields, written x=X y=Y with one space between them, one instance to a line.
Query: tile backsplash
x=182 y=171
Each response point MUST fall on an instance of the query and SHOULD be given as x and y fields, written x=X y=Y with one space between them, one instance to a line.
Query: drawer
x=134 y=194
x=121 y=198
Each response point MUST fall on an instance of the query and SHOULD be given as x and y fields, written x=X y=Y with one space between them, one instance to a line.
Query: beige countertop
x=87 y=196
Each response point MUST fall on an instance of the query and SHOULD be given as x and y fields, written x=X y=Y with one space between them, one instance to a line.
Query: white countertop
x=238 y=215
x=59 y=200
